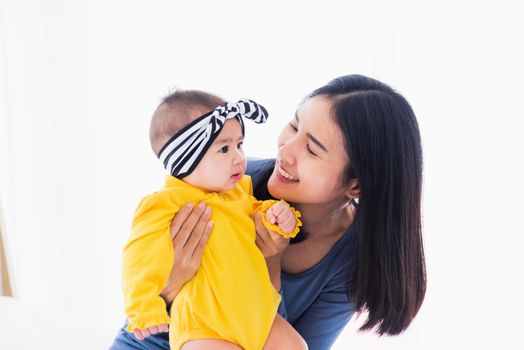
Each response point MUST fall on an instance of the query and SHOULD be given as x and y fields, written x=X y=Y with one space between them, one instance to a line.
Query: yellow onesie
x=231 y=296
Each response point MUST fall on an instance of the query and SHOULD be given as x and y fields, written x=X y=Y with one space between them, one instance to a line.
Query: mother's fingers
x=179 y=219
x=262 y=233
x=163 y=328
x=181 y=228
x=203 y=240
x=145 y=332
x=153 y=330
x=138 y=334
x=198 y=230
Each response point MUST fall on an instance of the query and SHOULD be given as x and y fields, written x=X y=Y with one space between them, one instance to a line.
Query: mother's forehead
x=315 y=115
x=317 y=105
x=317 y=111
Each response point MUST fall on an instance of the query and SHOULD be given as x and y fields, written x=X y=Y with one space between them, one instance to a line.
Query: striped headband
x=182 y=153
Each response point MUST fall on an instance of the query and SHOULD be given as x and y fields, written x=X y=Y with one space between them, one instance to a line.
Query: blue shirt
x=315 y=301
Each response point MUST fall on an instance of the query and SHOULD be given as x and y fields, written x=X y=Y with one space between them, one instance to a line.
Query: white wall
x=79 y=81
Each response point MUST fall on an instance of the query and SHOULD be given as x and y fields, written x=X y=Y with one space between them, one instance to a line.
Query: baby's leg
x=209 y=344
x=283 y=336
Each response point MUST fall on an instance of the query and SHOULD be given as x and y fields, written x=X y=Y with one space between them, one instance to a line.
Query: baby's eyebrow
x=229 y=139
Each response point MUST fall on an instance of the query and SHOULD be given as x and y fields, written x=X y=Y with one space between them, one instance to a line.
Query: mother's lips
x=285 y=174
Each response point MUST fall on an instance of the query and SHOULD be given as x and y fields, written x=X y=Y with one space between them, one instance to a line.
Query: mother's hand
x=270 y=243
x=190 y=230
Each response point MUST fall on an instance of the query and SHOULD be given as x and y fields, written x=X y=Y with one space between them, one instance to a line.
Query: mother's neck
x=327 y=219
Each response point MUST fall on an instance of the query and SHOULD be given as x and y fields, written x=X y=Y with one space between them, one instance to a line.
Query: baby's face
x=224 y=162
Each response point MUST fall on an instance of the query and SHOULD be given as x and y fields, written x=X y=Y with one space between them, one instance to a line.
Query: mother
x=351 y=161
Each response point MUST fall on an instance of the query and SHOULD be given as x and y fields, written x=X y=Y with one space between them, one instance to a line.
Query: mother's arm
x=272 y=245
x=321 y=323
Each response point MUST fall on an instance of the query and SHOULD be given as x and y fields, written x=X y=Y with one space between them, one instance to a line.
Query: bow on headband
x=182 y=153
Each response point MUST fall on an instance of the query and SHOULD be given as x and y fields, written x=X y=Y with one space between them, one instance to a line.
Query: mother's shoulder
x=260 y=170
x=256 y=165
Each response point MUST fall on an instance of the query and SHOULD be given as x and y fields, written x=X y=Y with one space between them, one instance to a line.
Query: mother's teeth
x=286 y=174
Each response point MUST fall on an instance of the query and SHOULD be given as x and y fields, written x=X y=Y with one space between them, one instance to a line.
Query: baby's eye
x=292 y=126
x=224 y=149
x=239 y=146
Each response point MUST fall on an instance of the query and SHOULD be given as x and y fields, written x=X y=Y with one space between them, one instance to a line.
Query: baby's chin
x=230 y=186
x=225 y=187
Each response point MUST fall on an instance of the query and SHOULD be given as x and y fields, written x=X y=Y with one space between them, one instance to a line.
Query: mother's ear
x=353 y=189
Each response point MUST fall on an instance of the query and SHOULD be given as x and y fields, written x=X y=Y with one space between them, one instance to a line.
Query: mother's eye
x=310 y=151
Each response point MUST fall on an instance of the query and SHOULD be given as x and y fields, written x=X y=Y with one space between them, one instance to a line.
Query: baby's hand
x=280 y=214
x=142 y=334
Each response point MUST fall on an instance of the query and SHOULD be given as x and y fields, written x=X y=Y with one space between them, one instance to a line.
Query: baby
x=230 y=302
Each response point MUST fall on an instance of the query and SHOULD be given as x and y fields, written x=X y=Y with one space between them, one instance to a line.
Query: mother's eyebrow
x=311 y=137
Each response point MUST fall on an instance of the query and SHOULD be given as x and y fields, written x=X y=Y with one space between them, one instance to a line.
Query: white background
x=79 y=81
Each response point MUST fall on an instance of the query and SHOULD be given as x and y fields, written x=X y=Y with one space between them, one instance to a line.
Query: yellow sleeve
x=263 y=206
x=147 y=261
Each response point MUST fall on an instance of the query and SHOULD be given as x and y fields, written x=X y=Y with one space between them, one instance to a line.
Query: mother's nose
x=287 y=150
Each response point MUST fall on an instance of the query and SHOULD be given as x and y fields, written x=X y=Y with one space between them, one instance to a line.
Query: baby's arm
x=145 y=270
x=190 y=230
x=281 y=214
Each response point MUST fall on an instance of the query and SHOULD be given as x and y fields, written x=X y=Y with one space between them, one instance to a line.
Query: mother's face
x=311 y=157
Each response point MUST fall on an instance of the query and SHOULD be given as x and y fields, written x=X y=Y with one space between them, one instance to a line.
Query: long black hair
x=382 y=141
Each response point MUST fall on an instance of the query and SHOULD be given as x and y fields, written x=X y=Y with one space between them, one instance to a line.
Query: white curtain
x=79 y=81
